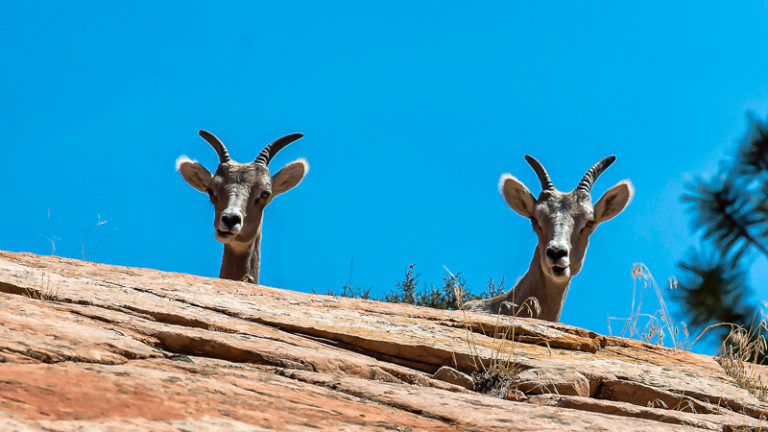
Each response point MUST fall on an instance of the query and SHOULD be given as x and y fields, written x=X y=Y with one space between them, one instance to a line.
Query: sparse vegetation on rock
x=450 y=295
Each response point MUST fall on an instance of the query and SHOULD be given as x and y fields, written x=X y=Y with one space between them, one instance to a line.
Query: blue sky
x=411 y=111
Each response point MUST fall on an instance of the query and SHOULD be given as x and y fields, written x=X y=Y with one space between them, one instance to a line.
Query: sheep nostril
x=556 y=253
x=231 y=220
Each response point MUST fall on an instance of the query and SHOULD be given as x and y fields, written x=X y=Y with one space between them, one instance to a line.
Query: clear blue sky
x=411 y=111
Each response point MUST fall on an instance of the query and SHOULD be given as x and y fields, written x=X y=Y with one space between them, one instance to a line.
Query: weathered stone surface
x=723 y=420
x=452 y=376
x=154 y=394
x=88 y=346
x=558 y=381
x=643 y=395
x=477 y=412
x=514 y=394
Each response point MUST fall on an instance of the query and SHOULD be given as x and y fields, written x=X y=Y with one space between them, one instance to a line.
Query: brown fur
x=562 y=221
x=241 y=191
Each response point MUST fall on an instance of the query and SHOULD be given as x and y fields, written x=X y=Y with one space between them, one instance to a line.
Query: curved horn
x=275 y=146
x=546 y=182
x=217 y=145
x=593 y=173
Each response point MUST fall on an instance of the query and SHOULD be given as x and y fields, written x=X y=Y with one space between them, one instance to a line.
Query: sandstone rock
x=643 y=395
x=515 y=395
x=451 y=375
x=88 y=346
x=722 y=421
x=557 y=381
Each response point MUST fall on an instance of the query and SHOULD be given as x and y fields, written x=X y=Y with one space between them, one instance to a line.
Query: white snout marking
x=234 y=229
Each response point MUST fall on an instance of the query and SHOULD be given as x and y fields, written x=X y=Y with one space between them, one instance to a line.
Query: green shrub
x=450 y=295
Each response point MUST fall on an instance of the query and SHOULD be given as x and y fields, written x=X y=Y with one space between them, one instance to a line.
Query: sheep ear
x=517 y=195
x=195 y=174
x=613 y=201
x=289 y=176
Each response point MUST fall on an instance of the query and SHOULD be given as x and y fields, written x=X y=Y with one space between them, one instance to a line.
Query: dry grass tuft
x=494 y=375
x=657 y=327
x=742 y=347
x=46 y=291
x=683 y=405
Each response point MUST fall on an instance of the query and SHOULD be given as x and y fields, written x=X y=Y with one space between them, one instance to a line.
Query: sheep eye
x=211 y=195
x=534 y=222
x=264 y=195
x=590 y=224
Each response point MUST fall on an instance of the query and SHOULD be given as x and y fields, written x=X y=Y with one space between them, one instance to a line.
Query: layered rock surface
x=87 y=346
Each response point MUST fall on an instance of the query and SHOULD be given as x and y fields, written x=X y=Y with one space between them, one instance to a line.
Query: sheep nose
x=231 y=220
x=555 y=252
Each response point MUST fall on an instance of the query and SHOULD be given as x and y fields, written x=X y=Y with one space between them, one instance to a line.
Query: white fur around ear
x=195 y=174
x=289 y=176
x=613 y=201
x=181 y=159
x=517 y=196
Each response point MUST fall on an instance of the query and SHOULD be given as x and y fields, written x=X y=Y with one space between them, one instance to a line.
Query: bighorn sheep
x=239 y=193
x=563 y=223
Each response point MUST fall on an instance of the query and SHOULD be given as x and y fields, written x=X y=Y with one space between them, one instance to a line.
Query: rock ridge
x=89 y=346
